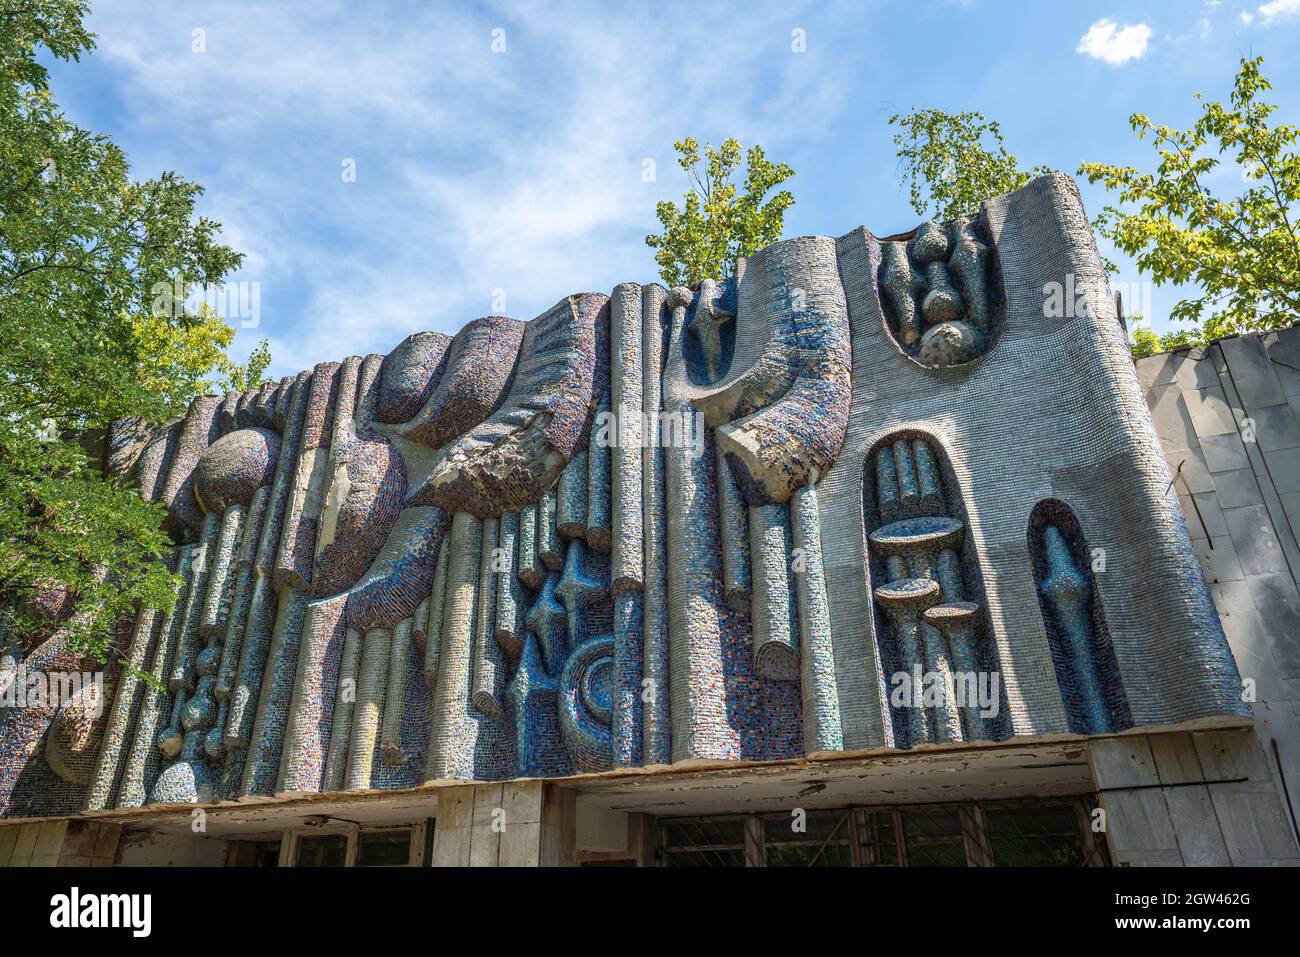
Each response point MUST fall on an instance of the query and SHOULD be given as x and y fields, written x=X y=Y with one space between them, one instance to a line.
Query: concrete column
x=60 y=843
x=515 y=824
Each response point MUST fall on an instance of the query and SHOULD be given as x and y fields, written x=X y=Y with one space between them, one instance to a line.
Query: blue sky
x=521 y=171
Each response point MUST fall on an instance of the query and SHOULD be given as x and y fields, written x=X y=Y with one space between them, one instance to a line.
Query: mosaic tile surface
x=655 y=526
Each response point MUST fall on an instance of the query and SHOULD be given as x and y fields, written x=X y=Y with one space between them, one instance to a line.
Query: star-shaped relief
x=577 y=588
x=529 y=684
x=545 y=619
x=530 y=691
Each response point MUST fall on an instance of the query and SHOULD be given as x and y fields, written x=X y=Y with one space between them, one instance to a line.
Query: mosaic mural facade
x=753 y=520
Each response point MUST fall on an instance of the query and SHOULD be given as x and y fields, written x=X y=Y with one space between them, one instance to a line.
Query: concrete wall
x=144 y=848
x=1228 y=417
x=59 y=844
x=535 y=823
x=517 y=824
x=65 y=843
x=1052 y=411
x=1205 y=799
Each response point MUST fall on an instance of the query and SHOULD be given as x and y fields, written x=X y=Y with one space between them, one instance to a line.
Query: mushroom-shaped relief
x=940 y=292
x=235 y=466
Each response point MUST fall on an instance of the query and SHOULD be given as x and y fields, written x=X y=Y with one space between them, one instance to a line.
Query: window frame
x=863 y=819
x=748 y=846
x=418 y=846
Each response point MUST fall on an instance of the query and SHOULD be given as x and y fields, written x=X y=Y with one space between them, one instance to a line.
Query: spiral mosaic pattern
x=586 y=691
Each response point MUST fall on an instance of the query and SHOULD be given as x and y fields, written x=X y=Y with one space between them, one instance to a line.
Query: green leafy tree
x=1143 y=340
x=179 y=360
x=82 y=248
x=952 y=162
x=241 y=378
x=1241 y=251
x=715 y=224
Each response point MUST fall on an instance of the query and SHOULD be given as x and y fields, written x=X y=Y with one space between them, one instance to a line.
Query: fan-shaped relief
x=940 y=667
x=941 y=291
x=1087 y=671
x=552 y=374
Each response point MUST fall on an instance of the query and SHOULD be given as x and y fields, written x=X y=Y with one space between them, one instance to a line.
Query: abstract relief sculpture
x=659 y=525
x=929 y=628
x=940 y=292
x=1076 y=622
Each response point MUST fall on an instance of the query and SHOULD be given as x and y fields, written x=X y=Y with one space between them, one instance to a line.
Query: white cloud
x=1275 y=10
x=1270 y=13
x=476 y=171
x=1114 y=44
x=1201 y=30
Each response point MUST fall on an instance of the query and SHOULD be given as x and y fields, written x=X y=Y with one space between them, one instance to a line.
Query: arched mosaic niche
x=929 y=595
x=941 y=291
x=1082 y=655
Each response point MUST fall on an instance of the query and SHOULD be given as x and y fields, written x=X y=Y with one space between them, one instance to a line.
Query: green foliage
x=237 y=378
x=947 y=166
x=28 y=24
x=82 y=246
x=714 y=225
x=1142 y=339
x=1242 y=251
x=62 y=524
x=1145 y=341
x=178 y=360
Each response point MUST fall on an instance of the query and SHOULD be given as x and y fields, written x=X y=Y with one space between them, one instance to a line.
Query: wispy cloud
x=1269 y=13
x=515 y=165
x=524 y=170
x=1201 y=30
x=1114 y=44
